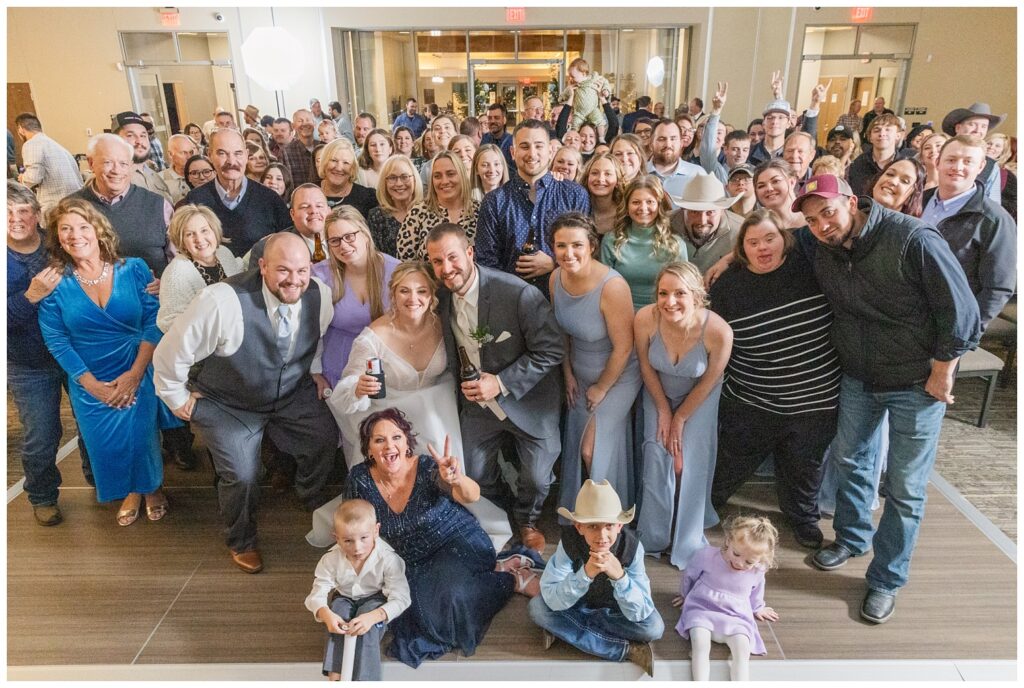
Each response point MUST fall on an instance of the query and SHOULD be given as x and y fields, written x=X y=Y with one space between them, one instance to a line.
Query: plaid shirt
x=299 y=162
x=851 y=122
x=50 y=170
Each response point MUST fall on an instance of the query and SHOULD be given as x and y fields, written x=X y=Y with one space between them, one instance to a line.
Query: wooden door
x=836 y=103
x=864 y=90
x=19 y=100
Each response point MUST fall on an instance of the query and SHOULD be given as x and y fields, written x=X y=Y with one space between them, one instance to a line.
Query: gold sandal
x=126 y=517
x=157 y=511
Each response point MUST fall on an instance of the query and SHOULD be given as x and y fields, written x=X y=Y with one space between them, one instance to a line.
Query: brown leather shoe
x=250 y=562
x=533 y=538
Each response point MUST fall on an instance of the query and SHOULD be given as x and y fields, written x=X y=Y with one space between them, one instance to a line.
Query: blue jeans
x=36 y=393
x=915 y=419
x=604 y=633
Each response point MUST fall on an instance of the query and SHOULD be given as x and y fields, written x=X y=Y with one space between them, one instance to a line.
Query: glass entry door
x=512 y=82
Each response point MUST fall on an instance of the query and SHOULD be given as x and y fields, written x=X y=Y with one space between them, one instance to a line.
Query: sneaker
x=47 y=514
x=641 y=654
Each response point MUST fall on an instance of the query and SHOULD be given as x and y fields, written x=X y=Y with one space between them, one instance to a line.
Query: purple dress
x=720 y=598
x=350 y=317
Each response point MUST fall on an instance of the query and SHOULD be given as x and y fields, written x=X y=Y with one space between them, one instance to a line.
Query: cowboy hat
x=252 y=111
x=954 y=118
x=704 y=192
x=597 y=503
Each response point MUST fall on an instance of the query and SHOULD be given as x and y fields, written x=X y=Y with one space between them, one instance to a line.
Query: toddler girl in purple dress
x=722 y=593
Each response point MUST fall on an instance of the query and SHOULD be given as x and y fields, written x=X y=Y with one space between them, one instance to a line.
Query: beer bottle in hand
x=318 y=248
x=375 y=370
x=530 y=246
x=467 y=372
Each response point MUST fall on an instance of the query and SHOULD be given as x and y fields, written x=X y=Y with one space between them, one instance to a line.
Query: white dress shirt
x=212 y=325
x=383 y=572
x=466 y=312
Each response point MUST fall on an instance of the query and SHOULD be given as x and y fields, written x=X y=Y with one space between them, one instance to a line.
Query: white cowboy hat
x=597 y=503
x=704 y=192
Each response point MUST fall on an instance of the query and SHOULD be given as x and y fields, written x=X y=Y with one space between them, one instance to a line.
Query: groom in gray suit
x=509 y=332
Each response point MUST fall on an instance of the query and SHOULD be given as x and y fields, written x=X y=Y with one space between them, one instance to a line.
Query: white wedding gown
x=426 y=398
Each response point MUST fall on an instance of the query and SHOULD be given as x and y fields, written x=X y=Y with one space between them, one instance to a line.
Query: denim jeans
x=36 y=393
x=915 y=419
x=604 y=633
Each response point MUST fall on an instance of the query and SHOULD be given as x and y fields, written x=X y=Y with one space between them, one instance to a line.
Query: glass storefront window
x=504 y=66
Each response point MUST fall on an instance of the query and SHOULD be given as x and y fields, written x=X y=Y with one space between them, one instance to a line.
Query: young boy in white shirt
x=367 y=581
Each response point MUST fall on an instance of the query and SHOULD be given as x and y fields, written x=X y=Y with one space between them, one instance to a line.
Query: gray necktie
x=461 y=316
x=284 y=329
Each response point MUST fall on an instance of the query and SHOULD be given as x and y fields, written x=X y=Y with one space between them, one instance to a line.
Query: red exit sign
x=861 y=14
x=515 y=15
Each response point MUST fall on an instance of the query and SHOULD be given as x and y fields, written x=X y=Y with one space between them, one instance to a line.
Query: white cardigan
x=181 y=282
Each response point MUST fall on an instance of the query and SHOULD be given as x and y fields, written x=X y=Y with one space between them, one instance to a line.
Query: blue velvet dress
x=449 y=563
x=123 y=444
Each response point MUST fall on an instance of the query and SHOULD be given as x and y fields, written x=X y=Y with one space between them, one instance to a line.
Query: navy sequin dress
x=449 y=563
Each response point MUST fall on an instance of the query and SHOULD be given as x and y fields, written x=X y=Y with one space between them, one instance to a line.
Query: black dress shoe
x=808 y=535
x=877 y=607
x=831 y=557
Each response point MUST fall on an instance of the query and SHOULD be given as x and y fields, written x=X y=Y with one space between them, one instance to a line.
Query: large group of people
x=662 y=305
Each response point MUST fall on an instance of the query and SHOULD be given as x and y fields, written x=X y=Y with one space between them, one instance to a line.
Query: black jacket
x=983 y=237
x=899 y=299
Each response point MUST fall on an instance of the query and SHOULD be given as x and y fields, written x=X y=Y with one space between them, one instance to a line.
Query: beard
x=666 y=158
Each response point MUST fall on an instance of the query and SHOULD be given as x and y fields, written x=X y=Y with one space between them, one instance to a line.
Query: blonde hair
x=106 y=238
x=828 y=164
x=689 y=275
x=569 y=150
x=756 y=530
x=580 y=64
x=329 y=151
x=364 y=159
x=374 y=261
x=666 y=243
x=384 y=199
x=1007 y=150
x=488 y=148
x=412 y=267
x=620 y=174
x=182 y=216
x=634 y=142
x=354 y=511
x=466 y=194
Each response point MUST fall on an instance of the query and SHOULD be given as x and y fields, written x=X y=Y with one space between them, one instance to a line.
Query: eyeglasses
x=350 y=239
x=398 y=178
x=200 y=173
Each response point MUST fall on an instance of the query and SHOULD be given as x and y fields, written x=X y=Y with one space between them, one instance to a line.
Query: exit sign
x=515 y=15
x=861 y=14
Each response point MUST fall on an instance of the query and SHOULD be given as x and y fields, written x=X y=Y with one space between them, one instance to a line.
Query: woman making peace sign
x=457 y=585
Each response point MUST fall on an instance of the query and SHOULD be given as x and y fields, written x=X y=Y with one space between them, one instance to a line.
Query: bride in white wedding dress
x=418 y=381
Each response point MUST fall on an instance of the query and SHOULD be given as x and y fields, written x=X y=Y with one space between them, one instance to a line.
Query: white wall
x=958 y=57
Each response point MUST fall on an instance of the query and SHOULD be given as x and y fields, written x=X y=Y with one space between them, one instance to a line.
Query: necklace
x=92 y=282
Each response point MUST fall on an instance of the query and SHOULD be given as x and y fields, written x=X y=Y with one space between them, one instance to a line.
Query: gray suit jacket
x=528 y=362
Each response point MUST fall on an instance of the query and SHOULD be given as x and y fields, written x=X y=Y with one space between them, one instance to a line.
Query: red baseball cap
x=824 y=185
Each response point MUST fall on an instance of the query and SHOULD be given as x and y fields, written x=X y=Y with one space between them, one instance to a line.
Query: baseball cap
x=123 y=119
x=745 y=168
x=840 y=131
x=777 y=106
x=824 y=185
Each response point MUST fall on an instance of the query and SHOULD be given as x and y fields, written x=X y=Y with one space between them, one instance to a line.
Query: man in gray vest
x=139 y=217
x=258 y=337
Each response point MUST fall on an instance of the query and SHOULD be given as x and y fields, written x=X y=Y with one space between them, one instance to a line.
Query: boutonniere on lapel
x=482 y=335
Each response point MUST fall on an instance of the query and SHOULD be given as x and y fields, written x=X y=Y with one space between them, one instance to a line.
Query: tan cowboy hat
x=252 y=111
x=704 y=192
x=957 y=116
x=597 y=503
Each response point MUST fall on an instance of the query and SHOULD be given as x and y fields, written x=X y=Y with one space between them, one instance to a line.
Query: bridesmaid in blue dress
x=456 y=582
x=357 y=274
x=100 y=325
x=593 y=306
x=683 y=349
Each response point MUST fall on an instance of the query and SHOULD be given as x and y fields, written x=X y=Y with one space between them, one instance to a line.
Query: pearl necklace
x=92 y=282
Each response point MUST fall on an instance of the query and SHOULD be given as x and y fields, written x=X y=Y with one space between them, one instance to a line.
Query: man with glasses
x=247 y=212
